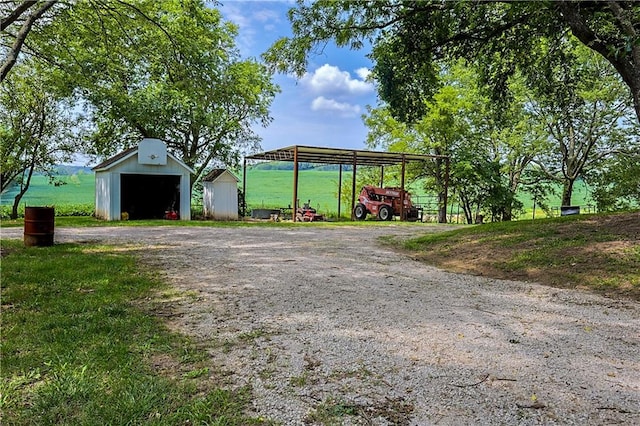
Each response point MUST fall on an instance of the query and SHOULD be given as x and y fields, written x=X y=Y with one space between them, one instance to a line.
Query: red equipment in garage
x=385 y=203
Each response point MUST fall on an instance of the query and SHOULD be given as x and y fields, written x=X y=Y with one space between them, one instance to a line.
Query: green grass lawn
x=597 y=252
x=82 y=344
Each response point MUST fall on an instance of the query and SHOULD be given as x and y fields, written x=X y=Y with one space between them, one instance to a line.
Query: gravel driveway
x=328 y=327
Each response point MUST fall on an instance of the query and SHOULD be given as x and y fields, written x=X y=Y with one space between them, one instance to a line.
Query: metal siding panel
x=102 y=195
x=207 y=199
x=225 y=200
x=185 y=196
x=115 y=197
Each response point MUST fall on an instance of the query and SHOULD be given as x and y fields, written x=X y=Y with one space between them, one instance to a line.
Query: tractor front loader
x=385 y=203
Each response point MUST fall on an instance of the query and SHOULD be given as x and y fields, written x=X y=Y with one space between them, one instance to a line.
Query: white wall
x=220 y=198
x=103 y=195
x=108 y=186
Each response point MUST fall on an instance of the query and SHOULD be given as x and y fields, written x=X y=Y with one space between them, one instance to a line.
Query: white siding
x=220 y=198
x=131 y=165
x=115 y=211
x=103 y=195
x=185 y=196
x=207 y=199
x=108 y=196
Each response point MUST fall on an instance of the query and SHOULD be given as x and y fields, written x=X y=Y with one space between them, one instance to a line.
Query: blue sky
x=324 y=107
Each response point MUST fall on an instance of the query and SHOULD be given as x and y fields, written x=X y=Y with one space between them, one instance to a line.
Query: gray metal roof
x=313 y=154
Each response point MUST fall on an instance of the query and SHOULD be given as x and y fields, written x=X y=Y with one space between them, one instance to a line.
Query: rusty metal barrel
x=39 y=226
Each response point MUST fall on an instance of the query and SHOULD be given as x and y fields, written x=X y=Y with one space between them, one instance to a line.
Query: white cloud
x=363 y=73
x=330 y=79
x=345 y=109
x=255 y=22
x=265 y=15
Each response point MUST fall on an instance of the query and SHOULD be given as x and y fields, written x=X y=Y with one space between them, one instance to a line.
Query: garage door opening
x=149 y=196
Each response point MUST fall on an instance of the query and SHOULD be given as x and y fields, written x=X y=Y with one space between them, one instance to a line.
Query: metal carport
x=310 y=154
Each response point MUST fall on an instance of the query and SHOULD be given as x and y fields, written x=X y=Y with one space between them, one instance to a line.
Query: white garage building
x=144 y=182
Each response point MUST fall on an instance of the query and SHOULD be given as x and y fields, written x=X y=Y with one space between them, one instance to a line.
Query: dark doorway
x=149 y=196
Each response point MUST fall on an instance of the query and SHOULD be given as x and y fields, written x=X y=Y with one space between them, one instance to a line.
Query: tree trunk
x=507 y=214
x=567 y=191
x=23 y=190
x=442 y=209
x=466 y=208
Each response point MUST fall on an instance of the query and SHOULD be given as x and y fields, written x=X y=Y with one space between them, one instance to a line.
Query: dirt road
x=326 y=326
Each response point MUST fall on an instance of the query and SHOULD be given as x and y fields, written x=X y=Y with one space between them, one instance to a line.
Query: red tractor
x=385 y=203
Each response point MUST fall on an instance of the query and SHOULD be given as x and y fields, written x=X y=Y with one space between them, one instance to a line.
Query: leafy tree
x=168 y=70
x=18 y=19
x=586 y=112
x=409 y=37
x=180 y=80
x=616 y=185
x=459 y=122
x=36 y=130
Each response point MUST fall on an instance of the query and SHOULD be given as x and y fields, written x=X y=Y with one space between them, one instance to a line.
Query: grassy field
x=274 y=188
x=83 y=343
x=265 y=188
x=77 y=189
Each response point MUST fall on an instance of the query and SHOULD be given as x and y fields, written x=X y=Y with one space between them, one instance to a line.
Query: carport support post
x=402 y=214
x=244 y=189
x=339 y=190
x=381 y=176
x=353 y=184
x=295 y=184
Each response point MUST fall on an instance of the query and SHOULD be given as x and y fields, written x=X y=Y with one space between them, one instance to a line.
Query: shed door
x=149 y=196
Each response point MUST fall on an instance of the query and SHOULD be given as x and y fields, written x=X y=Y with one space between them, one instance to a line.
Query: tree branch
x=12 y=56
x=17 y=12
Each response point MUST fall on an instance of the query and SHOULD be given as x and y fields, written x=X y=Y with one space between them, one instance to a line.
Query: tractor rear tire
x=385 y=213
x=360 y=212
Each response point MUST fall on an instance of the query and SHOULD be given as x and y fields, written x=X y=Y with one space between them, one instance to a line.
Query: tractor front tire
x=385 y=213
x=360 y=211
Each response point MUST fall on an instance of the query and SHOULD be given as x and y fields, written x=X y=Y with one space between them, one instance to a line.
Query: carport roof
x=314 y=154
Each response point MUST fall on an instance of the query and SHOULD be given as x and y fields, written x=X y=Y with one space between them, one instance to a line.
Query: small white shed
x=144 y=182
x=220 y=195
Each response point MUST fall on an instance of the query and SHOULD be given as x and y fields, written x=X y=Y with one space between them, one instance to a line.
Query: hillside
x=596 y=252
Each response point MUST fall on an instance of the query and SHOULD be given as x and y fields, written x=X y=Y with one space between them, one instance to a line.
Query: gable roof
x=106 y=164
x=128 y=153
x=216 y=173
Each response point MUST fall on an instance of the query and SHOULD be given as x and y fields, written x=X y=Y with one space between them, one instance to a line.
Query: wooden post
x=381 y=176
